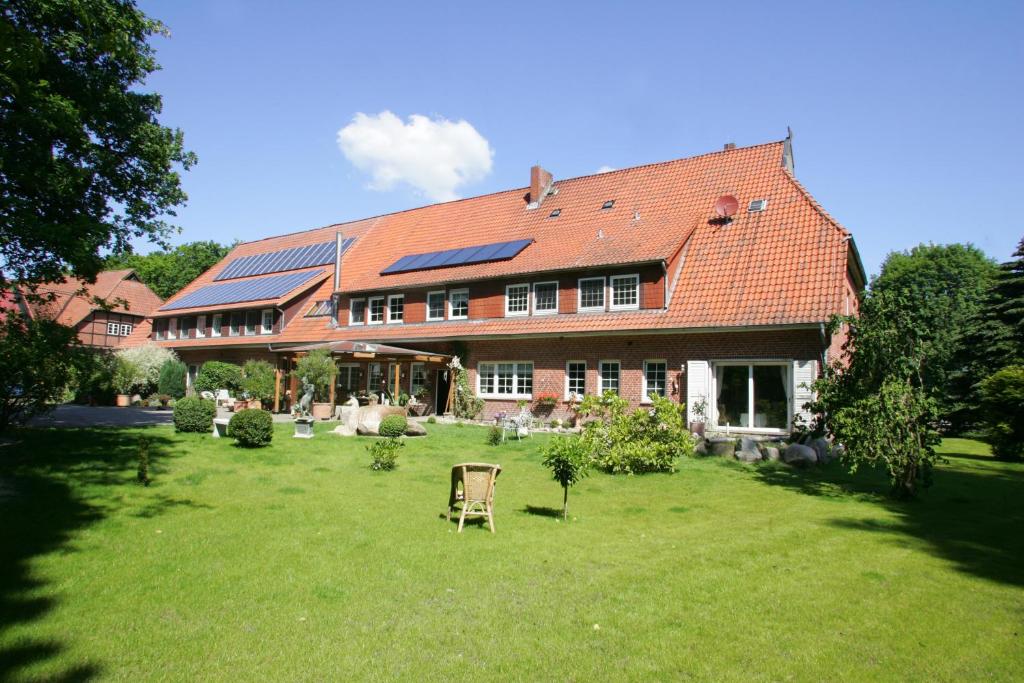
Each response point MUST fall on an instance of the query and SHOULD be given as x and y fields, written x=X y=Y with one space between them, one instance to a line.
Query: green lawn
x=298 y=562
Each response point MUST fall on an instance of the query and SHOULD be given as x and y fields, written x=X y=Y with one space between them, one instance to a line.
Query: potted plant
x=258 y=382
x=700 y=411
x=318 y=368
x=164 y=400
x=546 y=402
x=124 y=378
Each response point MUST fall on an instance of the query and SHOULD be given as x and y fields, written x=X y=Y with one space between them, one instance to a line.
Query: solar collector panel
x=456 y=257
x=272 y=287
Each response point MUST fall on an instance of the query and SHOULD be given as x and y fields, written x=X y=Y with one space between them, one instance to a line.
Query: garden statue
x=307 y=397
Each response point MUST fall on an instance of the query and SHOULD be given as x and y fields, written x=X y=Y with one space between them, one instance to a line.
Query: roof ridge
x=377 y=217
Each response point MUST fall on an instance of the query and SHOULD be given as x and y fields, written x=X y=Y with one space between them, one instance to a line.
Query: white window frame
x=519 y=285
x=200 y=326
x=369 y=310
x=263 y=321
x=515 y=395
x=241 y=324
x=600 y=376
x=181 y=328
x=248 y=331
x=713 y=393
x=391 y=299
x=366 y=312
x=579 y=294
x=427 y=315
x=112 y=329
x=215 y=324
x=412 y=374
x=451 y=295
x=126 y=329
x=568 y=393
x=534 y=298
x=646 y=395
x=611 y=292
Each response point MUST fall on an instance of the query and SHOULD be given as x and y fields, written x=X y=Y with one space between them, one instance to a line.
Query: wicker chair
x=477 y=491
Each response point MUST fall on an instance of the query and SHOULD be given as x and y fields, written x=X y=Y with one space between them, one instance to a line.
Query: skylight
x=555 y=214
x=608 y=204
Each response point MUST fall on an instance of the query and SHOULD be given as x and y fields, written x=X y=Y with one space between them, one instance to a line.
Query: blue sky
x=906 y=116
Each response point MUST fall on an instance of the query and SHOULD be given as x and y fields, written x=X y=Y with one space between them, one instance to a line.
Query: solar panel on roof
x=497 y=251
x=272 y=287
x=279 y=261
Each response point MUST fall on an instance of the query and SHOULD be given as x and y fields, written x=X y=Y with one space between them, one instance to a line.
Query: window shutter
x=803 y=372
x=696 y=387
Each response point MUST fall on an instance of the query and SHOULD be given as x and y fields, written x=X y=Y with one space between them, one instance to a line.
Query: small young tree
x=258 y=380
x=172 y=379
x=568 y=458
x=318 y=368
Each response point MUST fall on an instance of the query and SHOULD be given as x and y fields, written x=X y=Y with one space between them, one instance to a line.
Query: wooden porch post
x=398 y=380
x=334 y=382
x=277 y=389
x=293 y=383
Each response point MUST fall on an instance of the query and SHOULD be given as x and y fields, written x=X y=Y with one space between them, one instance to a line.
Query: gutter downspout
x=664 y=296
x=337 y=278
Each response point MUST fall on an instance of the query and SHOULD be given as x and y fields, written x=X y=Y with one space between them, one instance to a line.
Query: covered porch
x=391 y=373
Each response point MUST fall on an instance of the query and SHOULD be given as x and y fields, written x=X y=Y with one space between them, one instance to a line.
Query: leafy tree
x=943 y=289
x=874 y=399
x=166 y=272
x=146 y=361
x=215 y=375
x=318 y=368
x=258 y=380
x=173 y=374
x=1008 y=304
x=38 y=359
x=86 y=164
x=568 y=458
x=1002 y=397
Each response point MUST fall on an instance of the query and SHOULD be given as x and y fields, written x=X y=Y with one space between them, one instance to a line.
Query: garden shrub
x=258 y=380
x=431 y=420
x=127 y=375
x=318 y=368
x=393 y=425
x=1002 y=395
x=384 y=454
x=194 y=415
x=172 y=379
x=251 y=428
x=215 y=375
x=650 y=439
x=494 y=436
x=147 y=361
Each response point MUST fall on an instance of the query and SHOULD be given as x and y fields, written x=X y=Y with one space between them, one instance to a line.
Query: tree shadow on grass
x=542 y=511
x=971 y=516
x=43 y=508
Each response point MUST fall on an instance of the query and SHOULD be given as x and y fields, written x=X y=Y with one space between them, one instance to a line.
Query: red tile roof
x=783 y=266
x=68 y=304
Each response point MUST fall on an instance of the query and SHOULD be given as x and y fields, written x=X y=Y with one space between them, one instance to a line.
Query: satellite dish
x=726 y=206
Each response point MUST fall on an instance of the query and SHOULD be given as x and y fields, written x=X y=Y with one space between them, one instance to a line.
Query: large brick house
x=629 y=280
x=127 y=304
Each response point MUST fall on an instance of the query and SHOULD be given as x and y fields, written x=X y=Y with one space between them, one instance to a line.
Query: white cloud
x=434 y=156
x=605 y=169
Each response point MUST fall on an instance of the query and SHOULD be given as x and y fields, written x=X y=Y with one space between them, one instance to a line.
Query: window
x=267 y=321
x=396 y=308
x=347 y=380
x=417 y=379
x=251 y=319
x=376 y=310
x=172 y=330
x=545 y=298
x=625 y=292
x=159 y=329
x=201 y=326
x=435 y=305
x=185 y=326
x=235 y=328
x=357 y=312
x=505 y=380
x=126 y=330
x=321 y=309
x=517 y=300
x=655 y=374
x=112 y=329
x=752 y=395
x=591 y=296
x=576 y=378
x=609 y=376
x=374 y=378
x=458 y=304
x=218 y=321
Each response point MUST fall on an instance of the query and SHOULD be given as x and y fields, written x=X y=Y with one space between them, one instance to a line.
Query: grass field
x=297 y=562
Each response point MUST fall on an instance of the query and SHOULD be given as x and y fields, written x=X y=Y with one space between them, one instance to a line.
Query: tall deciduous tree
x=85 y=166
x=166 y=272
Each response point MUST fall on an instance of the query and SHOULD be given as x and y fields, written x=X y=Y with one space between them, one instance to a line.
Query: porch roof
x=359 y=349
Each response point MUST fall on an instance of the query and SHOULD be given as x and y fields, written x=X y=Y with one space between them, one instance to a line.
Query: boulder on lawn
x=799 y=455
x=371 y=415
x=721 y=445
x=749 y=450
x=771 y=453
x=700 y=447
x=414 y=428
x=345 y=430
x=822 y=448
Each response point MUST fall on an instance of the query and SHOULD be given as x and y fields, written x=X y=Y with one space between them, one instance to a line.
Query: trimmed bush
x=251 y=428
x=258 y=380
x=172 y=379
x=431 y=420
x=215 y=375
x=194 y=415
x=393 y=425
x=494 y=436
x=384 y=454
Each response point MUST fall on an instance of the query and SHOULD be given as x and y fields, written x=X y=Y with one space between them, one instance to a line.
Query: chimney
x=540 y=184
x=730 y=145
